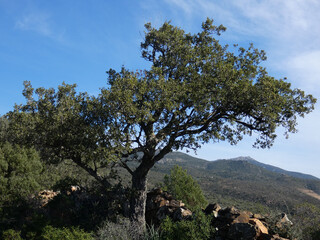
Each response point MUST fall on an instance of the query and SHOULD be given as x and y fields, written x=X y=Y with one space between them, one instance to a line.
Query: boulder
x=258 y=216
x=242 y=218
x=261 y=229
x=175 y=203
x=181 y=214
x=44 y=197
x=161 y=204
x=212 y=209
x=241 y=231
x=284 y=221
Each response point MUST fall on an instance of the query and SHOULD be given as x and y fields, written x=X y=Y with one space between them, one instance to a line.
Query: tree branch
x=93 y=173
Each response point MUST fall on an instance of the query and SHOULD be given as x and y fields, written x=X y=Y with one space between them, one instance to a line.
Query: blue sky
x=76 y=41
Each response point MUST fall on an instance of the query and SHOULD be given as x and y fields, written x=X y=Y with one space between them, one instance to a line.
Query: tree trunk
x=138 y=201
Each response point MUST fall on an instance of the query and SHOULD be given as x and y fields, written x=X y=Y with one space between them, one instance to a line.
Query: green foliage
x=152 y=233
x=3 y=129
x=51 y=233
x=196 y=91
x=286 y=230
x=64 y=125
x=20 y=170
x=11 y=234
x=185 y=188
x=307 y=218
x=198 y=228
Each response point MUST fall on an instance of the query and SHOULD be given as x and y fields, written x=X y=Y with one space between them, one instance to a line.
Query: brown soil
x=310 y=193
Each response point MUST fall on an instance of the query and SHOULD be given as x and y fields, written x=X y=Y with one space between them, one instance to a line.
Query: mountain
x=243 y=181
x=275 y=169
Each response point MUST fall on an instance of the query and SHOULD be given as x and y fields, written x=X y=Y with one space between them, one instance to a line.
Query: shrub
x=122 y=230
x=185 y=188
x=306 y=217
x=11 y=234
x=199 y=228
x=20 y=170
x=152 y=233
x=51 y=233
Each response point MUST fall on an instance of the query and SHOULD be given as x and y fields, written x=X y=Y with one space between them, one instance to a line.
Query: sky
x=77 y=41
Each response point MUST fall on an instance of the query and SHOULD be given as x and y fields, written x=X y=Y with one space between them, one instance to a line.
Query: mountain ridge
x=241 y=182
x=252 y=161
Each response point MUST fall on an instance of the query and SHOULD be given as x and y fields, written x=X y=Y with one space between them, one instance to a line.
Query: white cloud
x=186 y=5
x=35 y=22
x=304 y=68
x=40 y=23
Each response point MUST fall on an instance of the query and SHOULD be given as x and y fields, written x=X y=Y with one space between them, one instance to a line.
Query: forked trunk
x=138 y=202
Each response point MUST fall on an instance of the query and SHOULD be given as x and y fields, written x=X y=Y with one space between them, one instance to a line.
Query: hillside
x=276 y=169
x=244 y=181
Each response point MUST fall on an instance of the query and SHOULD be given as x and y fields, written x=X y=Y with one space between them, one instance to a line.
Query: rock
x=175 y=204
x=162 y=213
x=261 y=229
x=45 y=196
x=276 y=237
x=242 y=218
x=230 y=210
x=212 y=209
x=181 y=214
x=227 y=215
x=284 y=221
x=161 y=204
x=258 y=216
x=241 y=231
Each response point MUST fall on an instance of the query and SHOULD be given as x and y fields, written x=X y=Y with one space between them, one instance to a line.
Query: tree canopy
x=195 y=91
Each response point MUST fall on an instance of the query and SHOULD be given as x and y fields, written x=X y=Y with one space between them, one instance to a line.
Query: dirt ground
x=310 y=193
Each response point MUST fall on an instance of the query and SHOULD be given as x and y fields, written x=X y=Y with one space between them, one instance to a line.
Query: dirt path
x=310 y=193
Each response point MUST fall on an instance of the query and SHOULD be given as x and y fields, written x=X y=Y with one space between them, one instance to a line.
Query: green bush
x=11 y=234
x=51 y=233
x=183 y=187
x=152 y=233
x=199 y=228
x=20 y=170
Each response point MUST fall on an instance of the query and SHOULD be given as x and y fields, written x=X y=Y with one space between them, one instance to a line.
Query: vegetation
x=20 y=170
x=185 y=188
x=307 y=219
x=240 y=183
x=199 y=228
x=195 y=91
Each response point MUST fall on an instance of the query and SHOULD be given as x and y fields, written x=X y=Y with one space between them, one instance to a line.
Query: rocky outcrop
x=161 y=204
x=44 y=197
x=230 y=223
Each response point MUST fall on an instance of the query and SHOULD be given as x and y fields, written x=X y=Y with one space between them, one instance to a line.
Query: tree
x=20 y=170
x=184 y=188
x=65 y=125
x=196 y=90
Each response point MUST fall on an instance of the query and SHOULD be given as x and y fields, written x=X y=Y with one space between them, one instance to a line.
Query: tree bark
x=138 y=201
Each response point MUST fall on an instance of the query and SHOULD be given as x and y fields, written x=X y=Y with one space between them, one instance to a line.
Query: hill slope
x=276 y=169
x=242 y=181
